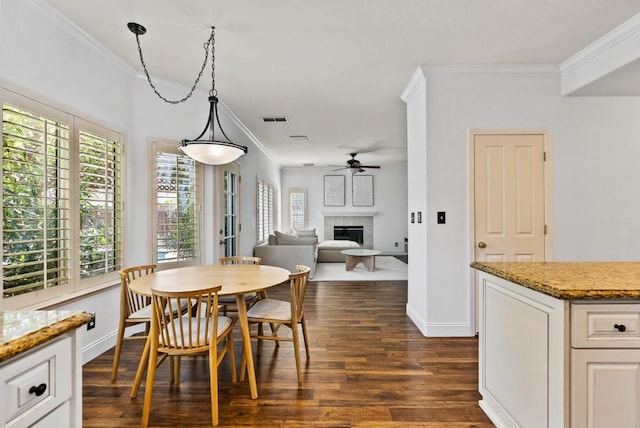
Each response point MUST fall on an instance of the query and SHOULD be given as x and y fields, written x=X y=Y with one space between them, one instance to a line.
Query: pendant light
x=216 y=148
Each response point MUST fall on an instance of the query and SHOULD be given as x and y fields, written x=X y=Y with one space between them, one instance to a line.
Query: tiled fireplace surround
x=346 y=219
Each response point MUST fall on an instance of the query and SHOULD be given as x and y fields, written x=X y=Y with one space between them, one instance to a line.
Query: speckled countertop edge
x=30 y=340
x=571 y=280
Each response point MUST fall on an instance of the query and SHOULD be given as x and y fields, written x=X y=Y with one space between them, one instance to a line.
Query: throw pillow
x=272 y=240
x=287 y=239
x=282 y=237
x=306 y=233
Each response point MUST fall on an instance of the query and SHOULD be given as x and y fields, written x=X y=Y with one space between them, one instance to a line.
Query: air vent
x=298 y=139
x=274 y=119
x=308 y=164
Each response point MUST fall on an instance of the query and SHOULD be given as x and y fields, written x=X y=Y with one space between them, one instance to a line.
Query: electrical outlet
x=396 y=244
x=92 y=324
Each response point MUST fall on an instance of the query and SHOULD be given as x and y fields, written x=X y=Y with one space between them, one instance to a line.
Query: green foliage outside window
x=37 y=197
x=34 y=238
x=176 y=212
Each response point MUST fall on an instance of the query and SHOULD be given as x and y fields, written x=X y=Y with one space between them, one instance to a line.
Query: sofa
x=329 y=251
x=287 y=250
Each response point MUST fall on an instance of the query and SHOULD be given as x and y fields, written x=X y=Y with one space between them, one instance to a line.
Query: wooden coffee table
x=357 y=255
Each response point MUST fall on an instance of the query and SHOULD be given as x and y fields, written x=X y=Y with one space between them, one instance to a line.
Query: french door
x=229 y=210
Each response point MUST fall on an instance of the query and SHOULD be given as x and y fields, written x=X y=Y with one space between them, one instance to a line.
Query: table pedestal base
x=369 y=262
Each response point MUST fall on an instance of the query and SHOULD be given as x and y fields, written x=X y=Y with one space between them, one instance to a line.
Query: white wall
x=389 y=201
x=416 y=99
x=49 y=59
x=595 y=175
x=44 y=58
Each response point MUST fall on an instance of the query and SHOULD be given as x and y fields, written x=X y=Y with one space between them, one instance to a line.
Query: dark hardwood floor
x=369 y=367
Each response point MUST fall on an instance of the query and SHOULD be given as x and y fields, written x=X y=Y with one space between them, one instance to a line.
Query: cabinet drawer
x=605 y=325
x=36 y=383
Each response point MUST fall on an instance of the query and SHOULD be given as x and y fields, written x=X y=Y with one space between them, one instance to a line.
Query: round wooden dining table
x=236 y=280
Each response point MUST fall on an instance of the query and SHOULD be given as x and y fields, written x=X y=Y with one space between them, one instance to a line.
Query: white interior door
x=229 y=210
x=509 y=197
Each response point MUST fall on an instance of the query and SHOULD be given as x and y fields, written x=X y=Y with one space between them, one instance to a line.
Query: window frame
x=76 y=285
x=270 y=205
x=167 y=146
x=305 y=209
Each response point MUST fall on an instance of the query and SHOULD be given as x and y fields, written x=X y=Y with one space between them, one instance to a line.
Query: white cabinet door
x=58 y=418
x=606 y=388
x=523 y=352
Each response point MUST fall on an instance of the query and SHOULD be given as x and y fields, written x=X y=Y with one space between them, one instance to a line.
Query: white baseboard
x=104 y=343
x=393 y=253
x=98 y=347
x=449 y=330
x=439 y=329
x=417 y=320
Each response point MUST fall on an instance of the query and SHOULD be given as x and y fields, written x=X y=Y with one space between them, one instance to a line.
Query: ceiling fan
x=354 y=165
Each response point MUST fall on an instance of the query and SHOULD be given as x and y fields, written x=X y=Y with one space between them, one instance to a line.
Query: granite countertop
x=571 y=280
x=23 y=330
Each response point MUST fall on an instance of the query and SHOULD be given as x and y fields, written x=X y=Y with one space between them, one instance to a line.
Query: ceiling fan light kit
x=212 y=150
x=354 y=166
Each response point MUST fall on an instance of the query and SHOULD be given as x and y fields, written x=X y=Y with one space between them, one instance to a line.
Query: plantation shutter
x=176 y=208
x=36 y=204
x=100 y=203
x=267 y=199
x=297 y=209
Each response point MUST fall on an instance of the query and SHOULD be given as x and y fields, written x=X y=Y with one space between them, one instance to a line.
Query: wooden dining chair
x=199 y=331
x=278 y=313
x=135 y=309
x=229 y=302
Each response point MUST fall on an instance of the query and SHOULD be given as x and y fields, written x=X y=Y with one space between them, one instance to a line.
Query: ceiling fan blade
x=340 y=169
x=370 y=166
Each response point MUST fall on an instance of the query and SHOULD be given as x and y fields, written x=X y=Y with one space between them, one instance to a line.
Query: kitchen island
x=41 y=368
x=559 y=343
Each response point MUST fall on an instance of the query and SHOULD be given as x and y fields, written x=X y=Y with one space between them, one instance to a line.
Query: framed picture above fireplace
x=334 y=190
x=362 y=186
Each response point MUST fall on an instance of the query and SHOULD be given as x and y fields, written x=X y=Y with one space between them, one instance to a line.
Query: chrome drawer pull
x=38 y=390
x=620 y=327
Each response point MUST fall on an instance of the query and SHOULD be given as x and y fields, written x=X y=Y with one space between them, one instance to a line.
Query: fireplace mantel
x=349 y=213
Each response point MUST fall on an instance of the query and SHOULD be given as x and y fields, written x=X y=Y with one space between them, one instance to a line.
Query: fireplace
x=349 y=233
x=350 y=219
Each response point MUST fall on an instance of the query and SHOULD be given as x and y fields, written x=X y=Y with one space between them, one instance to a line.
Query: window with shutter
x=176 y=205
x=100 y=205
x=35 y=201
x=62 y=202
x=267 y=203
x=297 y=209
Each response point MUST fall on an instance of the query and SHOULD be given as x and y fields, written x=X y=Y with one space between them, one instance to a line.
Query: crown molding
x=610 y=40
x=614 y=50
x=424 y=72
x=248 y=133
x=489 y=71
x=62 y=22
x=414 y=83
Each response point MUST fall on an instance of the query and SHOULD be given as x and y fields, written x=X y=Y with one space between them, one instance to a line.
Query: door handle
x=482 y=245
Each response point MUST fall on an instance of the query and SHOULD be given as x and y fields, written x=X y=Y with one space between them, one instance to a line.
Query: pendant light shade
x=212 y=150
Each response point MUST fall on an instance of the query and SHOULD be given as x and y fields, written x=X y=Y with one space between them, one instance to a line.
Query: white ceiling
x=336 y=68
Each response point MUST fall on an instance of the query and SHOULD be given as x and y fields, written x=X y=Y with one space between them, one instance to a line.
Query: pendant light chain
x=206 y=45
x=212 y=40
